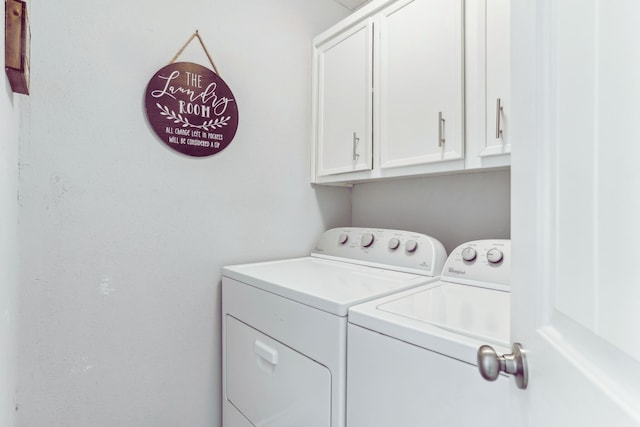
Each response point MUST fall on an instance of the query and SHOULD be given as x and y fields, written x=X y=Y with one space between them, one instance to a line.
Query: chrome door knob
x=490 y=364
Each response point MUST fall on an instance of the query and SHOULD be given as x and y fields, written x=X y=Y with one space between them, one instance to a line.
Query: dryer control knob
x=469 y=254
x=494 y=255
x=367 y=240
x=411 y=246
x=343 y=238
x=394 y=244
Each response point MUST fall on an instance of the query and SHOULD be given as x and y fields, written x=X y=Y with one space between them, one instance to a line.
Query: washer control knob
x=343 y=238
x=411 y=246
x=367 y=240
x=494 y=255
x=394 y=244
x=469 y=254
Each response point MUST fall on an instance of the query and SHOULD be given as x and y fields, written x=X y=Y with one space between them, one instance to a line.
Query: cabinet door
x=498 y=77
x=344 y=81
x=421 y=82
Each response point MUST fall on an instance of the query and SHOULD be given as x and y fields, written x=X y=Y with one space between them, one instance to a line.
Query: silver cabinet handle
x=490 y=364
x=441 y=138
x=498 y=117
x=356 y=140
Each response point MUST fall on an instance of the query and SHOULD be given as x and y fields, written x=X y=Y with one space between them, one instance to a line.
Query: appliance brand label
x=458 y=272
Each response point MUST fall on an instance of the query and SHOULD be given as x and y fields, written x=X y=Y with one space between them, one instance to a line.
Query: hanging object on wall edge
x=17 y=39
x=190 y=108
x=206 y=51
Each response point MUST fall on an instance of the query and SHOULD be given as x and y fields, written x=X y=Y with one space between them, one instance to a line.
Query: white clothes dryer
x=412 y=356
x=285 y=322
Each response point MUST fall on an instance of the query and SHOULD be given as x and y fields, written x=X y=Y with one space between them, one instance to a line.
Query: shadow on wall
x=332 y=203
x=452 y=208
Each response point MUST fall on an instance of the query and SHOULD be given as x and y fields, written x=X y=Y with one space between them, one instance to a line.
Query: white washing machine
x=412 y=356
x=285 y=322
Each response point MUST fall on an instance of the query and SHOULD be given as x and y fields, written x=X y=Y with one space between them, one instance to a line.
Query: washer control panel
x=392 y=249
x=485 y=263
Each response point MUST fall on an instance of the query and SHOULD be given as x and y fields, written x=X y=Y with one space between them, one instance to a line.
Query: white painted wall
x=9 y=125
x=123 y=240
x=452 y=208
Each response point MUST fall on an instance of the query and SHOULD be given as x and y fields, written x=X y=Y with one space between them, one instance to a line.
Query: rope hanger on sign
x=190 y=108
x=194 y=35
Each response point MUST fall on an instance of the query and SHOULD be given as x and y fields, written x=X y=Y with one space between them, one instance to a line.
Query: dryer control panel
x=485 y=263
x=391 y=249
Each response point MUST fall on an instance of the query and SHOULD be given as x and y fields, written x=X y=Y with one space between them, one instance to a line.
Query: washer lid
x=466 y=310
x=332 y=286
x=447 y=318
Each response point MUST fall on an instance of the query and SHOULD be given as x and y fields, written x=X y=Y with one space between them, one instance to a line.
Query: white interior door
x=576 y=211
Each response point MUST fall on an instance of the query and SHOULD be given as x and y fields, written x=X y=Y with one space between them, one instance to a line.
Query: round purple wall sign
x=191 y=109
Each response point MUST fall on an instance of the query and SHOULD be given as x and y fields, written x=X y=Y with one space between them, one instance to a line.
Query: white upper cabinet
x=344 y=106
x=420 y=82
x=411 y=87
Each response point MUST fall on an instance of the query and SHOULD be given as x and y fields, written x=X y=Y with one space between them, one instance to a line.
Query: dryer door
x=272 y=384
